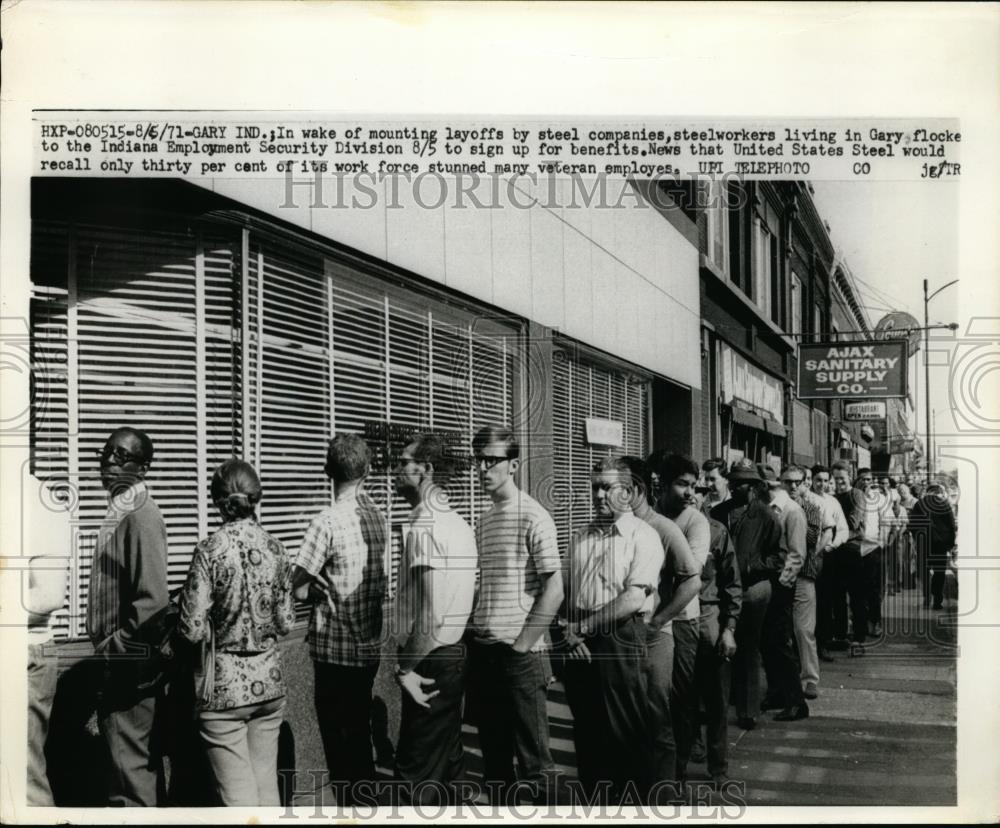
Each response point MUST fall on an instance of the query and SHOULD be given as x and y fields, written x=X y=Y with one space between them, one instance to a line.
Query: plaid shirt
x=347 y=544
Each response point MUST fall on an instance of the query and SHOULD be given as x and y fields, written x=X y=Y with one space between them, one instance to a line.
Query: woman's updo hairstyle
x=236 y=490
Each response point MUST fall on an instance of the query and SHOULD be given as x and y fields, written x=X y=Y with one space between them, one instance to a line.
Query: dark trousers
x=430 y=753
x=874 y=569
x=507 y=695
x=746 y=664
x=126 y=718
x=620 y=700
x=781 y=661
x=343 y=697
x=683 y=699
x=826 y=596
x=711 y=687
x=933 y=585
x=850 y=582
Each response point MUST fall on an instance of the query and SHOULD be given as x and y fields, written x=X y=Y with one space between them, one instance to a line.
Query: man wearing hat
x=756 y=534
x=784 y=688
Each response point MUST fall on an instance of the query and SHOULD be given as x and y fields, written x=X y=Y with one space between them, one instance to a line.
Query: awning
x=774 y=427
x=747 y=418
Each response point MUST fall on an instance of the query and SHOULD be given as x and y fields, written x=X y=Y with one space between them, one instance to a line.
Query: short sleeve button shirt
x=346 y=542
x=606 y=559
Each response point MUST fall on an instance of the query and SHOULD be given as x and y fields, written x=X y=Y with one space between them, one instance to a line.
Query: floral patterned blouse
x=240 y=578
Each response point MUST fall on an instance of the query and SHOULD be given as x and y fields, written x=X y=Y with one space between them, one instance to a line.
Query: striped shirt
x=346 y=542
x=517 y=545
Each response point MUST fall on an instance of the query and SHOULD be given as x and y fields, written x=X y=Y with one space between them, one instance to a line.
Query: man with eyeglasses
x=874 y=538
x=781 y=663
x=826 y=580
x=128 y=588
x=520 y=590
x=437 y=582
x=850 y=576
x=611 y=574
x=819 y=530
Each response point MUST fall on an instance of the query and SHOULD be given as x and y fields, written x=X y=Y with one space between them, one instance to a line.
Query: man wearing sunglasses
x=128 y=588
x=756 y=534
x=520 y=590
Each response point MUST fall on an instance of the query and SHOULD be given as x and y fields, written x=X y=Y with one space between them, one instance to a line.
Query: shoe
x=825 y=654
x=718 y=780
x=771 y=703
x=746 y=722
x=810 y=691
x=839 y=644
x=698 y=754
x=793 y=714
x=857 y=649
x=938 y=605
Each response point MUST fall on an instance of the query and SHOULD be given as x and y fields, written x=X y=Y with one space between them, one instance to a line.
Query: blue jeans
x=242 y=747
x=507 y=696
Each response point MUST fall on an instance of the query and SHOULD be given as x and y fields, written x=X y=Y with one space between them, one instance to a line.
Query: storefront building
x=226 y=325
x=764 y=286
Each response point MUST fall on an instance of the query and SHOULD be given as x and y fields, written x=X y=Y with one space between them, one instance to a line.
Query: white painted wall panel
x=623 y=280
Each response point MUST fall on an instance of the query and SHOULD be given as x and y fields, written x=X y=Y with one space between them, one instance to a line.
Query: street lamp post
x=927 y=375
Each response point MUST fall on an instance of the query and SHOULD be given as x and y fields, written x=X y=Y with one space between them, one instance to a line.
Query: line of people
x=661 y=612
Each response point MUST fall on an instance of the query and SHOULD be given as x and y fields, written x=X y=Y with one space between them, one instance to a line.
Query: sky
x=893 y=235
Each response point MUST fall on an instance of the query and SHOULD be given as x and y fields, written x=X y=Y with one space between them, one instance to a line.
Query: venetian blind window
x=581 y=389
x=132 y=326
x=221 y=341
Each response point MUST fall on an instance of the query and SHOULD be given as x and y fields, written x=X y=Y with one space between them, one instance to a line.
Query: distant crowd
x=693 y=589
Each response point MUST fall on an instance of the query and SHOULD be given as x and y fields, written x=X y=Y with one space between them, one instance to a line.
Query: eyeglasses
x=120 y=456
x=793 y=483
x=486 y=462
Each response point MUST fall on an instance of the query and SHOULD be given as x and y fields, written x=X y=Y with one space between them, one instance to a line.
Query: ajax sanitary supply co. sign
x=835 y=370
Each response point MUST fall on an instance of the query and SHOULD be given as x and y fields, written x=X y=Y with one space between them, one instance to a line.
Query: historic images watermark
x=566 y=799
x=432 y=190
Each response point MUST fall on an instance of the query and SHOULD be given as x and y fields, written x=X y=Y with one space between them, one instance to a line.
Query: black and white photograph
x=566 y=466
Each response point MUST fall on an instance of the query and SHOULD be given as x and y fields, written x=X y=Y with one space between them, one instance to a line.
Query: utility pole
x=927 y=376
x=927 y=384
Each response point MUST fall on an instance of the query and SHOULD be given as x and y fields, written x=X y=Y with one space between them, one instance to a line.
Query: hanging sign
x=863 y=411
x=835 y=370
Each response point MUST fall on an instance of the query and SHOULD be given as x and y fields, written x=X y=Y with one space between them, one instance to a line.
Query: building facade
x=764 y=269
x=231 y=322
